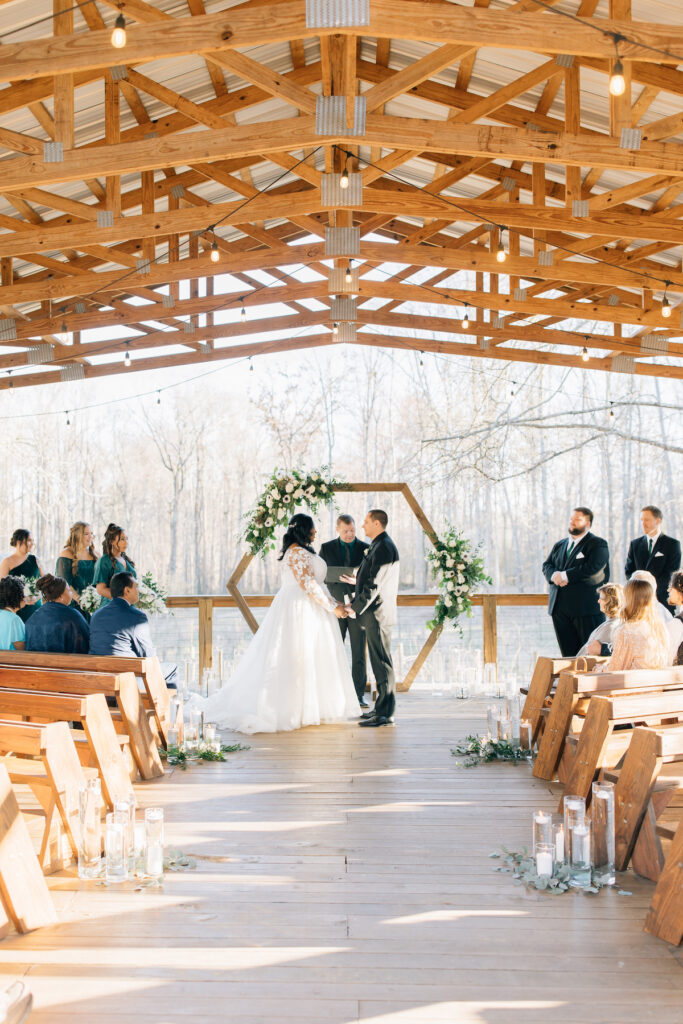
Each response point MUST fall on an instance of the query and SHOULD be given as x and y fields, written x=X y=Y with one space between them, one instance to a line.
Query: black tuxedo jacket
x=587 y=569
x=665 y=559
x=333 y=553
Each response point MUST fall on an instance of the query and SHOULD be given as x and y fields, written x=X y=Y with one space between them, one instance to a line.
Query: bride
x=294 y=672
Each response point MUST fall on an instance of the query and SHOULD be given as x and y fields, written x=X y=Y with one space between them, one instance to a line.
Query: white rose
x=464 y=589
x=461 y=578
x=447 y=601
x=298 y=494
x=269 y=522
x=289 y=488
x=310 y=491
x=282 y=512
x=323 y=488
x=460 y=565
x=451 y=585
x=450 y=563
x=275 y=493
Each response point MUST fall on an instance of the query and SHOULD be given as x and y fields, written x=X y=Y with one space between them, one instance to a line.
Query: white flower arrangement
x=283 y=492
x=90 y=600
x=152 y=596
x=459 y=572
x=30 y=585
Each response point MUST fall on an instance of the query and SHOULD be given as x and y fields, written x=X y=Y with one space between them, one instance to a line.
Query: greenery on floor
x=178 y=756
x=479 y=750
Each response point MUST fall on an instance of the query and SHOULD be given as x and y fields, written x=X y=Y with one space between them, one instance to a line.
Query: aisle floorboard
x=343 y=874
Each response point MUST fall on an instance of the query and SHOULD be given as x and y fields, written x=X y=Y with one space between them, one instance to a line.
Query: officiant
x=343 y=554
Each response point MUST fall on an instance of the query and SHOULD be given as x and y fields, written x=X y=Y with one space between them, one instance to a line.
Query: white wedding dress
x=294 y=672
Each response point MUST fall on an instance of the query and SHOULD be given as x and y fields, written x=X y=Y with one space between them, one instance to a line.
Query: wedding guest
x=654 y=551
x=57 y=626
x=676 y=624
x=113 y=559
x=574 y=569
x=641 y=641
x=77 y=560
x=12 y=629
x=22 y=563
x=348 y=550
x=643 y=574
x=119 y=628
x=610 y=599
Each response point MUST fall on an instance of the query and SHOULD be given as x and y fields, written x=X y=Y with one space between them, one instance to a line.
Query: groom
x=374 y=604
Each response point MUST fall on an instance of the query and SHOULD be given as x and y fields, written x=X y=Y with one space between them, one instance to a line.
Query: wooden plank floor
x=343 y=875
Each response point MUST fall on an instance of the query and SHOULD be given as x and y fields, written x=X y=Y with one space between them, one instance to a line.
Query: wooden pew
x=43 y=757
x=665 y=916
x=149 y=669
x=572 y=695
x=99 y=736
x=546 y=672
x=23 y=889
x=122 y=686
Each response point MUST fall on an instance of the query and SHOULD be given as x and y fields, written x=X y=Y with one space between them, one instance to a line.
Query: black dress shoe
x=367 y=714
x=376 y=722
x=363 y=704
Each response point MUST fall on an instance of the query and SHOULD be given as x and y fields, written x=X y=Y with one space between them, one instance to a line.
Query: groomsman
x=574 y=569
x=654 y=551
x=348 y=550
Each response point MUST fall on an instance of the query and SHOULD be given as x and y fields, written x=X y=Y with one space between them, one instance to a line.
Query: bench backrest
x=635 y=679
x=658 y=704
x=31 y=738
x=76 y=662
x=62 y=681
x=66 y=707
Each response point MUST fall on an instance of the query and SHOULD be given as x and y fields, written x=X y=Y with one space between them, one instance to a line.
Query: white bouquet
x=90 y=600
x=30 y=584
x=152 y=596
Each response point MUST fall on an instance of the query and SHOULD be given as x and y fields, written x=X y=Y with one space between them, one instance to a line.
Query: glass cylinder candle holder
x=116 y=846
x=558 y=842
x=191 y=744
x=491 y=679
x=525 y=734
x=211 y=739
x=154 y=842
x=140 y=848
x=505 y=728
x=172 y=737
x=492 y=713
x=543 y=831
x=545 y=859
x=90 y=820
x=580 y=857
x=574 y=814
x=602 y=832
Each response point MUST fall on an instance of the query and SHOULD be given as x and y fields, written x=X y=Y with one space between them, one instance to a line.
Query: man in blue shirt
x=121 y=629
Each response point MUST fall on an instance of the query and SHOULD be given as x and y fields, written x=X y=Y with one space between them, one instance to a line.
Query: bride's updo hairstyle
x=298 y=532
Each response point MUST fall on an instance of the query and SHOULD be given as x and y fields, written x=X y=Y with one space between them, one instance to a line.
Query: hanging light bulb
x=466 y=320
x=501 y=255
x=584 y=354
x=666 y=307
x=215 y=254
x=421 y=360
x=68 y=421
x=335 y=328
x=347 y=276
x=11 y=382
x=251 y=365
x=344 y=180
x=158 y=397
x=611 y=412
x=126 y=358
x=243 y=314
x=617 y=82
x=118 y=36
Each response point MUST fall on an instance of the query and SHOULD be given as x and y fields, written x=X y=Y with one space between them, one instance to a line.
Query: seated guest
x=121 y=629
x=641 y=640
x=56 y=626
x=643 y=574
x=113 y=559
x=23 y=563
x=610 y=598
x=12 y=629
x=676 y=626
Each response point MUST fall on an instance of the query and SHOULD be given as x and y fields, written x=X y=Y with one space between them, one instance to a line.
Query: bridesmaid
x=22 y=563
x=113 y=559
x=76 y=563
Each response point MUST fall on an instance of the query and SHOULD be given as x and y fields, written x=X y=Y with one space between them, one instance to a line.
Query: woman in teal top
x=23 y=563
x=114 y=559
x=77 y=561
x=12 y=629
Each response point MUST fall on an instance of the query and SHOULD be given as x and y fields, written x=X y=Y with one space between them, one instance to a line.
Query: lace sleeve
x=299 y=562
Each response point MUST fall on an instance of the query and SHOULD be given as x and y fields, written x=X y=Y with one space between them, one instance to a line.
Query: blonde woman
x=76 y=562
x=641 y=640
x=610 y=600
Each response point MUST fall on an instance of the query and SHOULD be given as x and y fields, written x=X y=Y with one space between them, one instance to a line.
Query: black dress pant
x=359 y=670
x=572 y=631
x=379 y=648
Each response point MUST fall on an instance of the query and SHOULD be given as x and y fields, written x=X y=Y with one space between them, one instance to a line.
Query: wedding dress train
x=294 y=672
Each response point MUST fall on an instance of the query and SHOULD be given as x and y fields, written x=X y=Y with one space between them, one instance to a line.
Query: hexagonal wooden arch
x=415 y=507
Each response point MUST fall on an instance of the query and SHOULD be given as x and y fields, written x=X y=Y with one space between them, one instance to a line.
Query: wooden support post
x=205 y=634
x=64 y=84
x=112 y=136
x=490 y=620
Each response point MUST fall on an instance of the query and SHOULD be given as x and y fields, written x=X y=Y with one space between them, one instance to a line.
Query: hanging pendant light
x=118 y=36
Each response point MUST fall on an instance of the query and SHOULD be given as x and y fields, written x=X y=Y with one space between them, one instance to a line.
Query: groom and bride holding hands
x=295 y=672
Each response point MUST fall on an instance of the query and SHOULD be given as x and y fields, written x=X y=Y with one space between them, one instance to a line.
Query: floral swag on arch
x=279 y=500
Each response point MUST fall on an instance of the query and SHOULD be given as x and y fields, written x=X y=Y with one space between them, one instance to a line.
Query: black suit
x=664 y=560
x=335 y=554
x=574 y=608
x=376 y=585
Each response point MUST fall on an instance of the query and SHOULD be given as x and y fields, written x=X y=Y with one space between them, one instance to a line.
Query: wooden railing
x=488 y=602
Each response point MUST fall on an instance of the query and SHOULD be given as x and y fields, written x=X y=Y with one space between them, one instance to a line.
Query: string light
x=617 y=82
x=158 y=397
x=501 y=255
x=215 y=254
x=421 y=360
x=243 y=314
x=126 y=358
x=347 y=276
x=251 y=365
x=611 y=411
x=344 y=180
x=118 y=36
x=584 y=354
x=335 y=328
x=68 y=421
x=11 y=382
x=666 y=307
x=466 y=319
x=63 y=334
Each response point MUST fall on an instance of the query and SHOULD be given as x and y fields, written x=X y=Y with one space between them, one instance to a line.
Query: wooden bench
x=665 y=916
x=572 y=695
x=23 y=889
x=546 y=672
x=122 y=686
x=98 y=736
x=149 y=670
x=43 y=757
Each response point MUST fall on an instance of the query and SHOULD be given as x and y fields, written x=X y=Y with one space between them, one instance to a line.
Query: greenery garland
x=480 y=750
x=459 y=571
x=281 y=496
